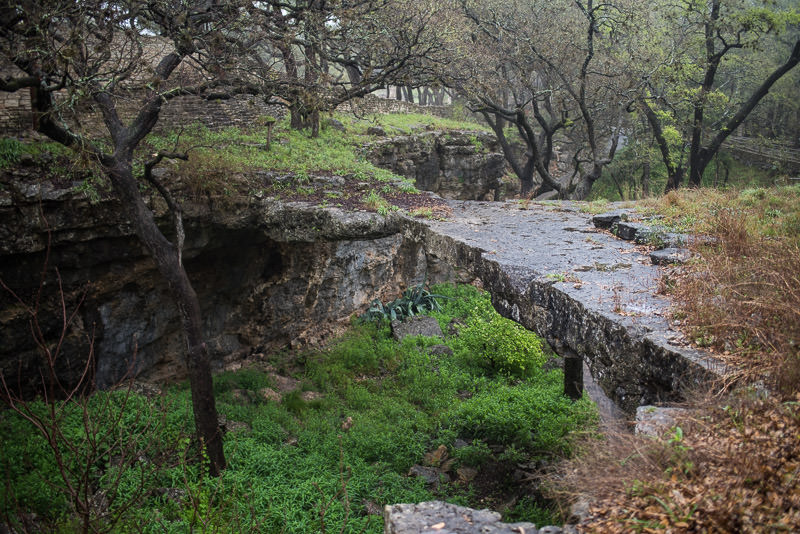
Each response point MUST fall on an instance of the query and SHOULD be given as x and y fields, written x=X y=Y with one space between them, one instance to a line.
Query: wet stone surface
x=584 y=290
x=442 y=518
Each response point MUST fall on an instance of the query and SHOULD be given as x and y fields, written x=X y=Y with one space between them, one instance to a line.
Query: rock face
x=271 y=275
x=268 y=275
x=456 y=165
x=442 y=518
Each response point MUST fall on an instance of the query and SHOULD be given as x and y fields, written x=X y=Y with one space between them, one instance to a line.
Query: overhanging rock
x=586 y=292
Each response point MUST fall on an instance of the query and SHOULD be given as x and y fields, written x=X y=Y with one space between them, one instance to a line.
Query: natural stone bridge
x=591 y=295
x=271 y=273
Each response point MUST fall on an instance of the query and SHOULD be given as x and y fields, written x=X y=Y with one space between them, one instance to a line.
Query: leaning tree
x=104 y=53
x=703 y=75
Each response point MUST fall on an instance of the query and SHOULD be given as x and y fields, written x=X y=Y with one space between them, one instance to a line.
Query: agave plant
x=414 y=301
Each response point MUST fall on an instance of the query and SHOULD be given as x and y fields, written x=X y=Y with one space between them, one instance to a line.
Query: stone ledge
x=435 y=517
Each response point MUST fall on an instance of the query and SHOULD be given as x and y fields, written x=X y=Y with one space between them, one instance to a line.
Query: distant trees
x=315 y=55
x=704 y=76
x=548 y=68
x=572 y=71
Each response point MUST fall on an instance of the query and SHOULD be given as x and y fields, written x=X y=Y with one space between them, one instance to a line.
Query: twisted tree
x=97 y=53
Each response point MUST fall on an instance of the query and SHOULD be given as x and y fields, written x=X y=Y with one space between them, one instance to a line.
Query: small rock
x=667 y=256
x=309 y=396
x=579 y=510
x=371 y=508
x=376 y=131
x=270 y=394
x=420 y=325
x=435 y=458
x=347 y=424
x=609 y=219
x=629 y=230
x=654 y=420
x=466 y=474
x=431 y=476
x=284 y=384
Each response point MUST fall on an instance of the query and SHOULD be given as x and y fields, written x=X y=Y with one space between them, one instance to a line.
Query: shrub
x=534 y=416
x=502 y=346
x=414 y=301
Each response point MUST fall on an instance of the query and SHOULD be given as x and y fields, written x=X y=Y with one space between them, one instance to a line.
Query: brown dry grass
x=735 y=464
x=741 y=300
x=735 y=468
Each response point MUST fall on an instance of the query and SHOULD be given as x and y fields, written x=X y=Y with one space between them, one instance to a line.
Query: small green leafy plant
x=414 y=301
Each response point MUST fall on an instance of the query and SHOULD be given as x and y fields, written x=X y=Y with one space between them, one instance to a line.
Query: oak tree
x=102 y=53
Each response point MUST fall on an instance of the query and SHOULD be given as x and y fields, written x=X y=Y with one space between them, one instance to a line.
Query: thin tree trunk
x=646 y=179
x=167 y=261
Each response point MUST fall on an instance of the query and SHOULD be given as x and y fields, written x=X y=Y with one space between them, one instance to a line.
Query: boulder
x=610 y=218
x=442 y=518
x=671 y=255
x=655 y=420
x=419 y=325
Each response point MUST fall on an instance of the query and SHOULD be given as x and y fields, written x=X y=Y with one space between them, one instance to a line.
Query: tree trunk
x=674 y=178
x=584 y=186
x=646 y=179
x=439 y=97
x=167 y=261
x=302 y=117
x=698 y=161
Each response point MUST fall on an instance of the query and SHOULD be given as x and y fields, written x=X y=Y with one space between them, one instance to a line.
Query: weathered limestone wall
x=273 y=274
x=587 y=293
x=460 y=165
x=268 y=276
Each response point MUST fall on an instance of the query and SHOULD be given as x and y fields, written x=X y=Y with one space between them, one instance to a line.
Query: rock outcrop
x=437 y=517
x=268 y=275
x=591 y=295
x=454 y=164
x=273 y=274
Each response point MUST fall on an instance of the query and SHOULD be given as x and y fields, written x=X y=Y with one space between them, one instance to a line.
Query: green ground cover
x=307 y=463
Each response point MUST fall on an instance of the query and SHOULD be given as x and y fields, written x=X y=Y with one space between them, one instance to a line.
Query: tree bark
x=674 y=172
x=303 y=117
x=584 y=186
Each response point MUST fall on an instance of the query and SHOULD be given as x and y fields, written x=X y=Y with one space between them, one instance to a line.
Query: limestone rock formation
x=458 y=165
x=268 y=275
